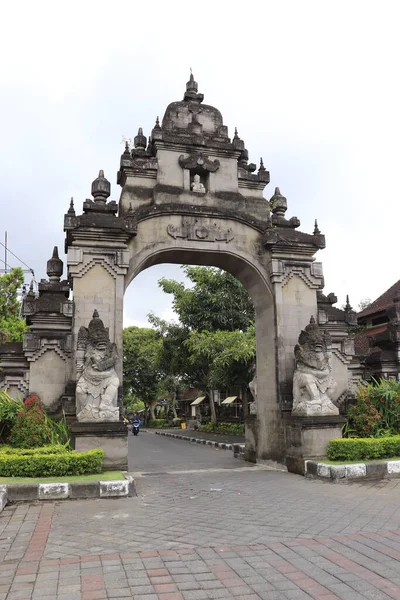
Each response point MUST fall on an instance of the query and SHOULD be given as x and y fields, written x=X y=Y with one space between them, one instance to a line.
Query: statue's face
x=314 y=355
x=101 y=348
x=197 y=178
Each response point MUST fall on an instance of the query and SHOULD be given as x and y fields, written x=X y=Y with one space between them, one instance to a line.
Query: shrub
x=364 y=419
x=55 y=449
x=47 y=465
x=376 y=410
x=31 y=427
x=9 y=409
x=34 y=428
x=224 y=428
x=157 y=423
x=364 y=448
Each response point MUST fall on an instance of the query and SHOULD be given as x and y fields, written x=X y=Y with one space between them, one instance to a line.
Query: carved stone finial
x=262 y=168
x=191 y=85
x=192 y=91
x=236 y=134
x=348 y=306
x=157 y=125
x=54 y=267
x=313 y=384
x=71 y=210
x=140 y=140
x=31 y=292
x=101 y=188
x=127 y=150
x=278 y=203
x=316 y=230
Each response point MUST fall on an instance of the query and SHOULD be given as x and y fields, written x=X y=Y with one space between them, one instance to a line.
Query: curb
x=63 y=491
x=238 y=449
x=381 y=470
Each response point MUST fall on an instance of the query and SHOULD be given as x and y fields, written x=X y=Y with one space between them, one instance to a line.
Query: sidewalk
x=203 y=435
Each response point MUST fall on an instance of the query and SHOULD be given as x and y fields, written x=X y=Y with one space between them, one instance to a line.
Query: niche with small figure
x=199 y=181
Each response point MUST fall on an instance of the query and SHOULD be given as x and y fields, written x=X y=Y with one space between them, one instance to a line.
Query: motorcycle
x=135 y=428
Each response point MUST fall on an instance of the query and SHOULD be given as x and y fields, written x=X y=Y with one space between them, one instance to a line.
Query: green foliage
x=141 y=369
x=157 y=423
x=217 y=301
x=9 y=409
x=224 y=356
x=12 y=327
x=353 y=449
x=51 y=449
x=47 y=465
x=31 y=428
x=376 y=410
x=133 y=404
x=226 y=428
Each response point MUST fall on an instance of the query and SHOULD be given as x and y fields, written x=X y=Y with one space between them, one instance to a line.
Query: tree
x=364 y=303
x=214 y=345
x=142 y=374
x=216 y=301
x=12 y=327
x=224 y=358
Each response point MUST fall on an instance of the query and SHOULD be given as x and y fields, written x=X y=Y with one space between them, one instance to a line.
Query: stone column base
x=308 y=437
x=251 y=429
x=111 y=437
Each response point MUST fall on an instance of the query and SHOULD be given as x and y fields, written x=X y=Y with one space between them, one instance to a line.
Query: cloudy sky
x=312 y=86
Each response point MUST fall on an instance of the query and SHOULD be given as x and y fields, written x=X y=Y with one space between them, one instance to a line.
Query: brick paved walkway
x=212 y=532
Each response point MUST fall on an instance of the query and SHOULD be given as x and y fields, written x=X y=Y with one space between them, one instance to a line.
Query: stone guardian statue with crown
x=97 y=387
x=313 y=384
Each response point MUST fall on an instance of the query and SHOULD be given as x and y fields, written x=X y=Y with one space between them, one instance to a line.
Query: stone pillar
x=98 y=261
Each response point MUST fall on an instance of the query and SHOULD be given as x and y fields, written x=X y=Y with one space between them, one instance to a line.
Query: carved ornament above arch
x=200 y=161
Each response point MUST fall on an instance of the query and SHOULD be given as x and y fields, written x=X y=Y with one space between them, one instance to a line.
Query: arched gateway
x=190 y=196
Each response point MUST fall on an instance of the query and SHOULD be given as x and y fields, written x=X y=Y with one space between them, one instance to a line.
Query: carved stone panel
x=200 y=232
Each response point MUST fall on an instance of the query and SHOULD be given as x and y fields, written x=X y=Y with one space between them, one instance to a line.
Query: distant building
x=378 y=344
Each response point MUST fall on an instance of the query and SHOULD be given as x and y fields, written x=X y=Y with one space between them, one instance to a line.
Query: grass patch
x=326 y=461
x=106 y=476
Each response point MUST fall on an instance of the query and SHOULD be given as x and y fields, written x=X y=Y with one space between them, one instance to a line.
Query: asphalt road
x=150 y=453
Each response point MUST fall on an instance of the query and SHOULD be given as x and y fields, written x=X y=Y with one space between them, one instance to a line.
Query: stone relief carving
x=313 y=384
x=197 y=186
x=199 y=160
x=253 y=391
x=199 y=232
x=97 y=387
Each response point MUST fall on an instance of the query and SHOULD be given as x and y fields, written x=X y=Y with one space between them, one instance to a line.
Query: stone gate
x=189 y=196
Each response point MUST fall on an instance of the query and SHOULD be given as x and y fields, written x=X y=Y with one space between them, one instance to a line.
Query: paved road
x=149 y=452
x=207 y=526
x=226 y=438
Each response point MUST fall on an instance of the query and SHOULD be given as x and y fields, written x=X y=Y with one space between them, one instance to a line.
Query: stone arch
x=254 y=276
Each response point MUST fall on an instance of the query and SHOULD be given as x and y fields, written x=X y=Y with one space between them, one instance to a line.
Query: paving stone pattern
x=217 y=532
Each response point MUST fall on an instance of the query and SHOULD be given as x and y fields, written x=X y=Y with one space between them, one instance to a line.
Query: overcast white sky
x=311 y=85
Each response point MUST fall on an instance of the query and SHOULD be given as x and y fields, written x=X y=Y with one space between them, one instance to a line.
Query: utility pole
x=5 y=251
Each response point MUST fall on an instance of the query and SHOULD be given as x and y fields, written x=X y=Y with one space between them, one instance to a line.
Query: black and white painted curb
x=62 y=491
x=238 y=449
x=380 y=470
